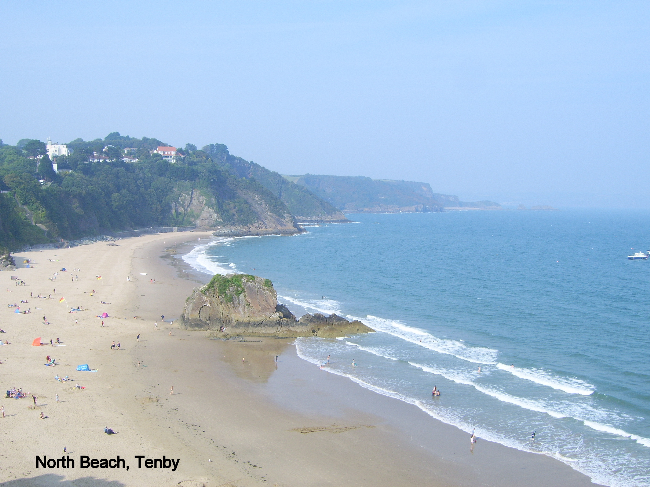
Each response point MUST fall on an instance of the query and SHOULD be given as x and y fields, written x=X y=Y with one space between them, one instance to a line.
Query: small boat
x=638 y=255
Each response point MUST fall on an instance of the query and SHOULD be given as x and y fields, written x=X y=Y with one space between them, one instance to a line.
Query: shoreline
x=230 y=421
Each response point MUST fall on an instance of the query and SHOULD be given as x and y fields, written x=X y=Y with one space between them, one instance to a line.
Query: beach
x=213 y=413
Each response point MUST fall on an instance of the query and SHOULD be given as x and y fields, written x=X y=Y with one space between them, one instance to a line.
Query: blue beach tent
x=83 y=367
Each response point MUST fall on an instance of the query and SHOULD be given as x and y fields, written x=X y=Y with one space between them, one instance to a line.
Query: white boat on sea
x=638 y=255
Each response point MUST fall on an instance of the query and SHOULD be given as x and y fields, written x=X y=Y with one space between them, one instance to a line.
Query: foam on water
x=457 y=376
x=199 y=259
x=478 y=355
x=552 y=407
x=324 y=306
x=380 y=352
x=569 y=385
x=618 y=432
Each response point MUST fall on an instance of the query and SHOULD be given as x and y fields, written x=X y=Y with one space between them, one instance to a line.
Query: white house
x=56 y=150
x=168 y=153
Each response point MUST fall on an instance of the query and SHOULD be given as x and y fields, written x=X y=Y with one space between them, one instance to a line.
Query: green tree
x=45 y=169
x=35 y=148
x=113 y=153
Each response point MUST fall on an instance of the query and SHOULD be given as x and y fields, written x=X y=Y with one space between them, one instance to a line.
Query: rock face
x=7 y=262
x=245 y=305
x=332 y=326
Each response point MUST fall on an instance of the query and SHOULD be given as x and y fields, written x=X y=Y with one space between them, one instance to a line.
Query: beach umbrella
x=36 y=342
x=104 y=315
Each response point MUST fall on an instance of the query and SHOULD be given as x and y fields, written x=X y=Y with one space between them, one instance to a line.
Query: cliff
x=302 y=203
x=245 y=305
x=358 y=194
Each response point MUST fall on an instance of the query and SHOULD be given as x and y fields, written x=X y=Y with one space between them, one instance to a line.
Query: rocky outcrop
x=332 y=326
x=7 y=262
x=245 y=305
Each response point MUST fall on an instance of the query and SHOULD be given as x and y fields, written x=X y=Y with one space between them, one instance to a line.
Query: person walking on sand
x=2 y=410
x=138 y=337
x=171 y=391
x=57 y=398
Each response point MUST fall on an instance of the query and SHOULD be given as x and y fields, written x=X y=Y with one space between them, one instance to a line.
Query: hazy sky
x=534 y=102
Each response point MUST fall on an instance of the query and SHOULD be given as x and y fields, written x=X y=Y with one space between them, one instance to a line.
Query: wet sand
x=235 y=416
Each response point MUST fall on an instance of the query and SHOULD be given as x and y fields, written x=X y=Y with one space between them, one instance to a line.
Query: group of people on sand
x=14 y=393
x=114 y=346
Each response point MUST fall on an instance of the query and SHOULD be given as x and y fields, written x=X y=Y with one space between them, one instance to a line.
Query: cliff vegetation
x=122 y=183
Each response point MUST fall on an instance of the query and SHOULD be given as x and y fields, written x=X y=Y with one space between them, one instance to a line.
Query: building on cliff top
x=168 y=153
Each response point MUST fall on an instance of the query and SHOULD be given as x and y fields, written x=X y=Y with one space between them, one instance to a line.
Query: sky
x=519 y=102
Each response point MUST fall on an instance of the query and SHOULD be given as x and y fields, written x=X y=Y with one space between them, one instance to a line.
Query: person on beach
x=472 y=439
x=532 y=437
x=435 y=391
x=138 y=337
x=171 y=391
x=42 y=415
x=328 y=359
x=57 y=398
x=354 y=364
x=2 y=410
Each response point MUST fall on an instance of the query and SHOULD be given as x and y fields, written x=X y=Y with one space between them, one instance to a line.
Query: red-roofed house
x=168 y=153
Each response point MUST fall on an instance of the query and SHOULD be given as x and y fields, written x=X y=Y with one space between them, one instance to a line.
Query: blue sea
x=545 y=303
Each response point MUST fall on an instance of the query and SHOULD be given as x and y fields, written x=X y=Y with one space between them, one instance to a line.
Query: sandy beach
x=191 y=411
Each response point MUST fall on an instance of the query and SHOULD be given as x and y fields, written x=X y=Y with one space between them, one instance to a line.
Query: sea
x=534 y=325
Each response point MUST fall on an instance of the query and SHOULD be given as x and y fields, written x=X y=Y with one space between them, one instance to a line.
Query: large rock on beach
x=245 y=305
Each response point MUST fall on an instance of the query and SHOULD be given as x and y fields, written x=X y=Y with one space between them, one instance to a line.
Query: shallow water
x=546 y=303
